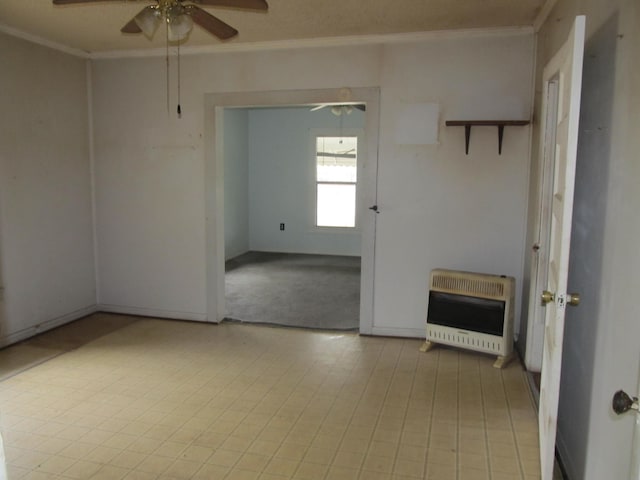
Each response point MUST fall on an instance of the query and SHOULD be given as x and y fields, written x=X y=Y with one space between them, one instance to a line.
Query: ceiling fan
x=340 y=109
x=180 y=18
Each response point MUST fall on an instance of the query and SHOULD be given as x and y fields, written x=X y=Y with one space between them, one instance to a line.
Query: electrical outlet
x=282 y=227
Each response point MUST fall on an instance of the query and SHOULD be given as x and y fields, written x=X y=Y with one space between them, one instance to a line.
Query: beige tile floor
x=158 y=399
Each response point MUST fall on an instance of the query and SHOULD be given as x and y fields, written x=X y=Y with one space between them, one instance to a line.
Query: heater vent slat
x=470 y=284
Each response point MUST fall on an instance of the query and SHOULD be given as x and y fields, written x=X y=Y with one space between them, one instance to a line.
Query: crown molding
x=323 y=42
x=14 y=32
x=544 y=13
x=347 y=41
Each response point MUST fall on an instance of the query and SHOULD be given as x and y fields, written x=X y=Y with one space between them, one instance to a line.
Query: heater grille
x=471 y=310
x=470 y=284
x=486 y=343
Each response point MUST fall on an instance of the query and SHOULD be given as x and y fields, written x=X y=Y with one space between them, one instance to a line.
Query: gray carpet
x=310 y=291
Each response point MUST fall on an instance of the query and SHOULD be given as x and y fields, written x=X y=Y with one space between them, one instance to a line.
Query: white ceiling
x=96 y=27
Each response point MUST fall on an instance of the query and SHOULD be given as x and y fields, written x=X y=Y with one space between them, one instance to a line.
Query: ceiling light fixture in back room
x=179 y=19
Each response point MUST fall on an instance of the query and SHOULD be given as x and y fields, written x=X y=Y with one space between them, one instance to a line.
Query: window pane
x=336 y=205
x=336 y=174
x=336 y=159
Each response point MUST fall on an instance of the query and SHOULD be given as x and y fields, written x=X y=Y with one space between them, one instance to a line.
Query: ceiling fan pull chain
x=179 y=108
x=167 y=62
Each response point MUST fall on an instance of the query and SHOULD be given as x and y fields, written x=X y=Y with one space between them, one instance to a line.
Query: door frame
x=214 y=106
x=635 y=440
x=540 y=248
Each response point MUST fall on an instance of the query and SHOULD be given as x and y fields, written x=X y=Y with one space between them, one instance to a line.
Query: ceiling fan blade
x=359 y=106
x=252 y=4
x=213 y=25
x=69 y=2
x=131 y=27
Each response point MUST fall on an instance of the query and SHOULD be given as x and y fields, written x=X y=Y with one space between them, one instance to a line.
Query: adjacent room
x=291 y=215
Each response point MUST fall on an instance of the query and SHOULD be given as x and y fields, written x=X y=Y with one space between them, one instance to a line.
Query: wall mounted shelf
x=467 y=124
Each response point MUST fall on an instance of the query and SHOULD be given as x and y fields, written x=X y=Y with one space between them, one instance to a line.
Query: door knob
x=573 y=299
x=622 y=402
x=547 y=297
x=374 y=208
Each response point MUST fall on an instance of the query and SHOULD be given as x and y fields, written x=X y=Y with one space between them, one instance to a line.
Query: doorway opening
x=292 y=216
x=214 y=136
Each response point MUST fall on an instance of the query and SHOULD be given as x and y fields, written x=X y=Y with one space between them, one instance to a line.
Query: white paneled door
x=562 y=79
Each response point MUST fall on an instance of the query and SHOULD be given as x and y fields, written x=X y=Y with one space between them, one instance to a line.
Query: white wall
x=46 y=242
x=439 y=208
x=149 y=193
x=601 y=351
x=282 y=179
x=236 y=182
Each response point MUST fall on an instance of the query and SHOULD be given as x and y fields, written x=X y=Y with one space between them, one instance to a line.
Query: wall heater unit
x=473 y=311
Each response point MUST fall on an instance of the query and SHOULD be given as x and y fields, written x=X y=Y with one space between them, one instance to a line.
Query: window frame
x=314 y=133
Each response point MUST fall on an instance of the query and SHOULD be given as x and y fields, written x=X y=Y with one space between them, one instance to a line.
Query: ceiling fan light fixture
x=180 y=27
x=149 y=20
x=338 y=110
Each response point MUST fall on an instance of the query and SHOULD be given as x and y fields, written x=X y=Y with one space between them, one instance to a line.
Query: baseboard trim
x=566 y=467
x=533 y=388
x=29 y=332
x=169 y=314
x=150 y=312
x=398 y=332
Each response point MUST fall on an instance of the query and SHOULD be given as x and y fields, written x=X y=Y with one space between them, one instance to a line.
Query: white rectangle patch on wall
x=417 y=124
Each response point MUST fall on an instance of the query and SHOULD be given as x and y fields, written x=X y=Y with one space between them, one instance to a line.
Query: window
x=336 y=179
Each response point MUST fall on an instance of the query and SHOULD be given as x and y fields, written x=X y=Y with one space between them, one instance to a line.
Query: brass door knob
x=573 y=299
x=547 y=297
x=622 y=402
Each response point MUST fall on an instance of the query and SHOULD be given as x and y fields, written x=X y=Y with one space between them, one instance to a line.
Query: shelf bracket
x=467 y=124
x=467 y=137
